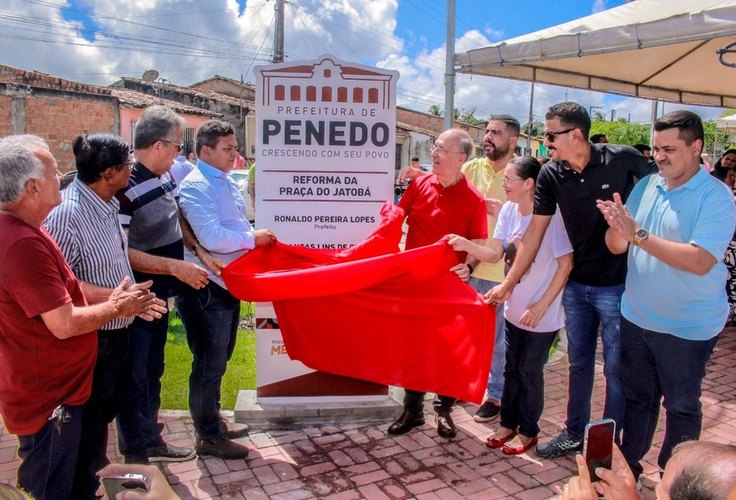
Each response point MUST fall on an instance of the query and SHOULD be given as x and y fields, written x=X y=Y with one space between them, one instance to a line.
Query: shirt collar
x=695 y=182
x=89 y=196
x=210 y=171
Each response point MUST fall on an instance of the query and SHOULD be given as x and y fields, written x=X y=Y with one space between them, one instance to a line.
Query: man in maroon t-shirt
x=48 y=338
x=436 y=205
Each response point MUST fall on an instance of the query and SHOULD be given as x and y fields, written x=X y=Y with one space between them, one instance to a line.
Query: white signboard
x=325 y=135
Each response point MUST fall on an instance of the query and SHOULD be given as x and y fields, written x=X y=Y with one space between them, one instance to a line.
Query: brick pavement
x=355 y=462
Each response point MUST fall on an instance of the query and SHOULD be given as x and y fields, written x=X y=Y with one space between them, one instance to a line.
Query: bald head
x=699 y=470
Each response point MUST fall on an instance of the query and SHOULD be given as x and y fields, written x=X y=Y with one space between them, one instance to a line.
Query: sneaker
x=220 y=447
x=487 y=412
x=559 y=446
x=169 y=453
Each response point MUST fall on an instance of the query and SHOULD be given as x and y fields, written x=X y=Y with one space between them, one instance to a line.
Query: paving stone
x=354 y=461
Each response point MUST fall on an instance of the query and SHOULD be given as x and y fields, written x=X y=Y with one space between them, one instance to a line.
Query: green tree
x=537 y=128
x=435 y=110
x=468 y=116
x=622 y=133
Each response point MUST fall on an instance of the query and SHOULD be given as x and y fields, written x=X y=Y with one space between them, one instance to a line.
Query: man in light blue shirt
x=679 y=224
x=215 y=210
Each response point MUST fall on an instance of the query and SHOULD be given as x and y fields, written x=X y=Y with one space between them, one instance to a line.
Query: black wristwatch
x=470 y=268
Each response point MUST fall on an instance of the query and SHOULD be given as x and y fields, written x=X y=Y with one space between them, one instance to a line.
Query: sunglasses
x=551 y=135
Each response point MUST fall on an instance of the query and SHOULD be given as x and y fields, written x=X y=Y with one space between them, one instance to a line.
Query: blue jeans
x=140 y=389
x=587 y=308
x=494 y=390
x=49 y=458
x=210 y=317
x=656 y=365
x=523 y=394
x=99 y=410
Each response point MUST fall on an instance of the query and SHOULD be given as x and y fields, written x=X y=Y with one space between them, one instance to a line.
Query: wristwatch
x=640 y=235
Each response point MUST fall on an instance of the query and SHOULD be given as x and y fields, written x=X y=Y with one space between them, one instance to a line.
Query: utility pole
x=450 y=67
x=531 y=117
x=278 y=39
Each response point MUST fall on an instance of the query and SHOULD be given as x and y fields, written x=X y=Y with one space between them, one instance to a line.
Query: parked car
x=67 y=178
x=240 y=177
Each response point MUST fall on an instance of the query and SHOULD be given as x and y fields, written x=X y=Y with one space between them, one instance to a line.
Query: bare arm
x=189 y=273
x=683 y=256
x=525 y=255
x=126 y=300
x=252 y=193
x=463 y=270
x=534 y=312
x=482 y=253
x=95 y=294
x=212 y=263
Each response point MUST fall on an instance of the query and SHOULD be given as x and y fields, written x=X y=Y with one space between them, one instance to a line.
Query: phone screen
x=127 y=482
x=599 y=445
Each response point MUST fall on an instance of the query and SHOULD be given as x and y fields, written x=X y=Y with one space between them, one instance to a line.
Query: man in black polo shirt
x=579 y=174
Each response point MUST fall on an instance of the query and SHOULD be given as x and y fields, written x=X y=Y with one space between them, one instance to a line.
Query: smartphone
x=126 y=482
x=598 y=445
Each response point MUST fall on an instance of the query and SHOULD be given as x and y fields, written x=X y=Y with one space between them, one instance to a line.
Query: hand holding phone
x=112 y=485
x=598 y=445
x=136 y=481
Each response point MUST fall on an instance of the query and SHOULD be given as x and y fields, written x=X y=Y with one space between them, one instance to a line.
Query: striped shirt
x=149 y=212
x=89 y=235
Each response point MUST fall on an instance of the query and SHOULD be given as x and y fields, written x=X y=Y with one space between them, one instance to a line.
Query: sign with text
x=325 y=135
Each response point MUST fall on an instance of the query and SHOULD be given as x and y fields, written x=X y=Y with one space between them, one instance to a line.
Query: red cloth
x=38 y=371
x=400 y=319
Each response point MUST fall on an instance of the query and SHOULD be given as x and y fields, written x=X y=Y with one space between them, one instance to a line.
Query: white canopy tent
x=727 y=124
x=654 y=49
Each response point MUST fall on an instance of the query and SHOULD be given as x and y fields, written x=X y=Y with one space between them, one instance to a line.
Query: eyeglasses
x=127 y=164
x=551 y=135
x=508 y=180
x=178 y=147
x=442 y=151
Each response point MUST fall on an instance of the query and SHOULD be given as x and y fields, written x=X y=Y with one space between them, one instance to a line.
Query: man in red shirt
x=436 y=205
x=48 y=338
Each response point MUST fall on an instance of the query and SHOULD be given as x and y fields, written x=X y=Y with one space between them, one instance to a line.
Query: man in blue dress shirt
x=214 y=208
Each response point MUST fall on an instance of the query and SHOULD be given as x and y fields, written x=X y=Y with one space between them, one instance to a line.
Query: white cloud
x=599 y=6
x=191 y=40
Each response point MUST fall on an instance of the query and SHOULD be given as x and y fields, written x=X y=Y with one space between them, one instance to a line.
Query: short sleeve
x=545 y=201
x=44 y=288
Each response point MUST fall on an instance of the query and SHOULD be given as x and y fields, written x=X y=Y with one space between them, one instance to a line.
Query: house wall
x=129 y=116
x=57 y=116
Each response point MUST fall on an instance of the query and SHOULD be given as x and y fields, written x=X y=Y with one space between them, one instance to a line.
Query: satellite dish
x=150 y=75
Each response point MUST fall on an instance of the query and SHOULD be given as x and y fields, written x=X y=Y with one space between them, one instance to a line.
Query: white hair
x=19 y=164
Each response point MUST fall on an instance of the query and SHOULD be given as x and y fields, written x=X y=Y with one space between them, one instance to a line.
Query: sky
x=186 y=41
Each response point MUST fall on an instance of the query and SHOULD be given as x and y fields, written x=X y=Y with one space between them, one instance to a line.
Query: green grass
x=241 y=370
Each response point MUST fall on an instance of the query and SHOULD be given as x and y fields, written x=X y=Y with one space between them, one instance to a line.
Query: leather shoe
x=445 y=426
x=517 y=450
x=220 y=447
x=406 y=422
x=492 y=442
x=234 y=431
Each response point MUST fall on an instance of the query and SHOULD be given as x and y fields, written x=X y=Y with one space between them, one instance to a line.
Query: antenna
x=150 y=75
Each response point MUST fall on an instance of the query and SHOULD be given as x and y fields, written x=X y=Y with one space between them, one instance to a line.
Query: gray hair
x=18 y=165
x=466 y=144
x=28 y=141
x=155 y=124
